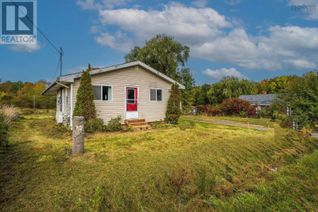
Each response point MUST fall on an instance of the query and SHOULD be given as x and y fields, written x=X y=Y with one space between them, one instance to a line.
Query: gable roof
x=64 y=80
x=261 y=99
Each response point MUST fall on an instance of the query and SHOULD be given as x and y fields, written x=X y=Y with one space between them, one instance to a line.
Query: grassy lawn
x=202 y=167
x=258 y=121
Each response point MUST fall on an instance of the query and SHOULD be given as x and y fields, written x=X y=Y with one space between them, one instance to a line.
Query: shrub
x=114 y=124
x=10 y=113
x=186 y=125
x=286 y=122
x=202 y=109
x=3 y=131
x=85 y=98
x=213 y=111
x=95 y=125
x=237 y=106
x=173 y=109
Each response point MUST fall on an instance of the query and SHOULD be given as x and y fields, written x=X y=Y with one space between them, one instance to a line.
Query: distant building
x=260 y=100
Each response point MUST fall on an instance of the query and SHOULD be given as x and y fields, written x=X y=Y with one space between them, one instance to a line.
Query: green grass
x=200 y=167
x=258 y=121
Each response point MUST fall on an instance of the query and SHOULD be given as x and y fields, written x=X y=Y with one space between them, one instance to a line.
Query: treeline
x=298 y=94
x=231 y=87
x=26 y=95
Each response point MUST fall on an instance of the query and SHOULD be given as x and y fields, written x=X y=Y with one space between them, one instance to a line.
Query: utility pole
x=61 y=61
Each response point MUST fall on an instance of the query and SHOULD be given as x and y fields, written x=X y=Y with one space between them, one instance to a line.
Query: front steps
x=137 y=124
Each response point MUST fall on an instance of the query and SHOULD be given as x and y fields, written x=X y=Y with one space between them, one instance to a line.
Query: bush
x=3 y=132
x=95 y=125
x=186 y=125
x=114 y=124
x=237 y=106
x=202 y=109
x=10 y=113
x=213 y=111
x=208 y=110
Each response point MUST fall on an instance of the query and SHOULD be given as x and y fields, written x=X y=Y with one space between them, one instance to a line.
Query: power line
x=58 y=50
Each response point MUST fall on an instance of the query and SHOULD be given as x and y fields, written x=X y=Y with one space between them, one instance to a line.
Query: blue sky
x=252 y=39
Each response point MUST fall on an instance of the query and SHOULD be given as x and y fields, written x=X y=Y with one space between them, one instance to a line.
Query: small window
x=107 y=92
x=102 y=92
x=159 y=95
x=60 y=101
x=155 y=95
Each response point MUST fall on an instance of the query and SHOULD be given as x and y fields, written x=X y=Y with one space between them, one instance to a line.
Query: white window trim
x=101 y=90
x=156 y=94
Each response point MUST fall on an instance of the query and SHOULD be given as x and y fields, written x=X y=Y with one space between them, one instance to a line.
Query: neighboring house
x=260 y=100
x=131 y=90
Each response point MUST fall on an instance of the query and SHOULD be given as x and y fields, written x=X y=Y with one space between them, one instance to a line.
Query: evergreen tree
x=173 y=109
x=85 y=97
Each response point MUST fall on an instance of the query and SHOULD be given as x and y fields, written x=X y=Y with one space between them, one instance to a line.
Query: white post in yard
x=78 y=135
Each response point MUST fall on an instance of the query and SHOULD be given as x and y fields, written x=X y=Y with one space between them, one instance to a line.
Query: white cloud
x=219 y=74
x=285 y=47
x=87 y=4
x=26 y=47
x=190 y=25
x=100 y=4
x=119 y=41
x=211 y=36
x=232 y=2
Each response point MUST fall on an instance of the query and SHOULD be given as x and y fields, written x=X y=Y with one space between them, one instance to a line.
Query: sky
x=253 y=39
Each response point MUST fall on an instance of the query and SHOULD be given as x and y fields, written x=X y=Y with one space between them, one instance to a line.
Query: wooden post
x=78 y=135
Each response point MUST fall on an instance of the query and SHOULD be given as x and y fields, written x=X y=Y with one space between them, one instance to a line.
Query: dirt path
x=231 y=123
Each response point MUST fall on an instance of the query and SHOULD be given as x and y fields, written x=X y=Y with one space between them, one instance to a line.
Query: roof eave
x=50 y=90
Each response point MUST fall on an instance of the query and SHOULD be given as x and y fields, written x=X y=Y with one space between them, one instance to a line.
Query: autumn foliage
x=237 y=106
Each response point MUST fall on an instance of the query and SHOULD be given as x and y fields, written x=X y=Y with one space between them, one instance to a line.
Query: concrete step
x=137 y=123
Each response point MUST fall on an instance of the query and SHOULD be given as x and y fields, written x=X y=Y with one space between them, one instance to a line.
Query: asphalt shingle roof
x=261 y=99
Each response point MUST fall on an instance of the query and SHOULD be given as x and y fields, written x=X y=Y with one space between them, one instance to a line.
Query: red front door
x=132 y=99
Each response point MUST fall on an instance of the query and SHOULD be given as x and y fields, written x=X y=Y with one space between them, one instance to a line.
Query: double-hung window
x=102 y=92
x=155 y=94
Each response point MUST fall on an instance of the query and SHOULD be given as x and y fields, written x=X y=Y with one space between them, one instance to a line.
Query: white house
x=131 y=90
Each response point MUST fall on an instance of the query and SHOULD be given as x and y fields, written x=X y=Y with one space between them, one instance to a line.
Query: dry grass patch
x=162 y=169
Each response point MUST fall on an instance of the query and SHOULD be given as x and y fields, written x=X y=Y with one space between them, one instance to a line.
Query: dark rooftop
x=261 y=99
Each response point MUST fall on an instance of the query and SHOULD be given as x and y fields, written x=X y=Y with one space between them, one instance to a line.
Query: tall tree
x=302 y=97
x=277 y=84
x=186 y=79
x=163 y=53
x=173 y=109
x=85 y=97
x=230 y=87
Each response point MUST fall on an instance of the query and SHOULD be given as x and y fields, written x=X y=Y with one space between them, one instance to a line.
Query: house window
x=155 y=94
x=102 y=92
x=60 y=102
